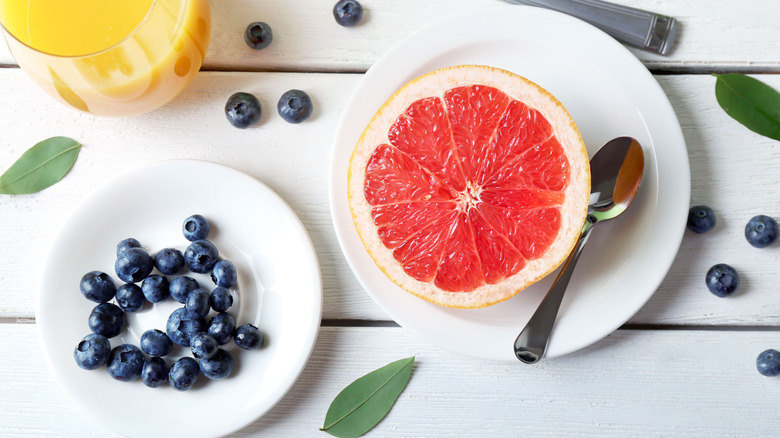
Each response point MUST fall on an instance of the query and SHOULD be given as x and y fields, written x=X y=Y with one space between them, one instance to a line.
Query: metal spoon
x=616 y=171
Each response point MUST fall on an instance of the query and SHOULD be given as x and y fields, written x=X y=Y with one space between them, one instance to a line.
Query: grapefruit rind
x=573 y=210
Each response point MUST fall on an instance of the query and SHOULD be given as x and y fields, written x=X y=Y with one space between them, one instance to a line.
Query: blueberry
x=249 y=337
x=221 y=299
x=243 y=110
x=180 y=287
x=97 y=286
x=195 y=227
x=348 y=12
x=133 y=265
x=127 y=244
x=701 y=219
x=203 y=345
x=197 y=303
x=107 y=319
x=155 y=288
x=722 y=280
x=761 y=231
x=92 y=352
x=154 y=372
x=130 y=297
x=180 y=327
x=224 y=274
x=222 y=327
x=125 y=362
x=258 y=35
x=294 y=106
x=183 y=373
x=156 y=343
x=768 y=363
x=169 y=261
x=201 y=256
x=217 y=367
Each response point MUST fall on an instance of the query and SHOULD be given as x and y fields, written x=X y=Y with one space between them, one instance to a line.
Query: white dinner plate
x=279 y=291
x=609 y=93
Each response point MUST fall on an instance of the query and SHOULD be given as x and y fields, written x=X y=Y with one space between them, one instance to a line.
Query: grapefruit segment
x=468 y=185
x=421 y=253
x=397 y=222
x=542 y=167
x=396 y=177
x=520 y=128
x=423 y=132
x=460 y=268
x=474 y=113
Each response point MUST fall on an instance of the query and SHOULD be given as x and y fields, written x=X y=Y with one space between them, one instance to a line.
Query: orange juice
x=109 y=57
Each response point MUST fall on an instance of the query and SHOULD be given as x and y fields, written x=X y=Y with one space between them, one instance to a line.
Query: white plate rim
x=308 y=335
x=410 y=54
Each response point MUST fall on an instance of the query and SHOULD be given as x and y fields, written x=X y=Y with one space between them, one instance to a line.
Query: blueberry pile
x=188 y=326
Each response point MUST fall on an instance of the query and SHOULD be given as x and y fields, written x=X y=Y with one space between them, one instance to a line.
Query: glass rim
x=127 y=37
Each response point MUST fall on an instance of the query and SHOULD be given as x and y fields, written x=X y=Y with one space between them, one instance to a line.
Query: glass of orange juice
x=108 y=57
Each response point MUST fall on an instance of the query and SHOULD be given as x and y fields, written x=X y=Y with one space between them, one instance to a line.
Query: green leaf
x=41 y=166
x=750 y=102
x=362 y=404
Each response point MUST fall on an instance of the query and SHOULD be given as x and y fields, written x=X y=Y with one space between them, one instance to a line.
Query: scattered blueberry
x=294 y=106
x=196 y=227
x=258 y=35
x=722 y=280
x=768 y=363
x=155 y=288
x=169 y=261
x=224 y=274
x=222 y=327
x=201 y=256
x=701 y=219
x=97 y=286
x=183 y=373
x=125 y=362
x=218 y=366
x=197 y=303
x=249 y=337
x=107 y=319
x=127 y=244
x=181 y=287
x=156 y=343
x=243 y=110
x=221 y=299
x=92 y=352
x=761 y=231
x=203 y=345
x=180 y=327
x=133 y=265
x=154 y=372
x=130 y=298
x=348 y=12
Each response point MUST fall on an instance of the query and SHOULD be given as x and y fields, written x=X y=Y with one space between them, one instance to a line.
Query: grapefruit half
x=468 y=185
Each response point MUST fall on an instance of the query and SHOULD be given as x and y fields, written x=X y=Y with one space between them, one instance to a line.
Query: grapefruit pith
x=468 y=185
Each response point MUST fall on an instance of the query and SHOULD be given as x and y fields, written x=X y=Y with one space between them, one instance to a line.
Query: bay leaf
x=750 y=102
x=364 y=402
x=40 y=167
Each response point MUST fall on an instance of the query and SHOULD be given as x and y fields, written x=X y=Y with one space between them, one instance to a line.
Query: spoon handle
x=643 y=29
x=532 y=341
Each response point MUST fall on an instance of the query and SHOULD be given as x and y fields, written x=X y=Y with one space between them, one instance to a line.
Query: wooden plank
x=633 y=383
x=733 y=170
x=720 y=35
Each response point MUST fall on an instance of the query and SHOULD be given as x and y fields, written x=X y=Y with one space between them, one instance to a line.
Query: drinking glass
x=143 y=71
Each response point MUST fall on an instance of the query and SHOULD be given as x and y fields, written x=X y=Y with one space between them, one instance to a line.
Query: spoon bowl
x=616 y=173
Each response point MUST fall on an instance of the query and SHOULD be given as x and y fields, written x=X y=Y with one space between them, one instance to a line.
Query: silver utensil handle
x=639 y=28
x=532 y=341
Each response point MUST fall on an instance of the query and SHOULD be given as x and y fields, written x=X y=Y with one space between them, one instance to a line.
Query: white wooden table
x=684 y=365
